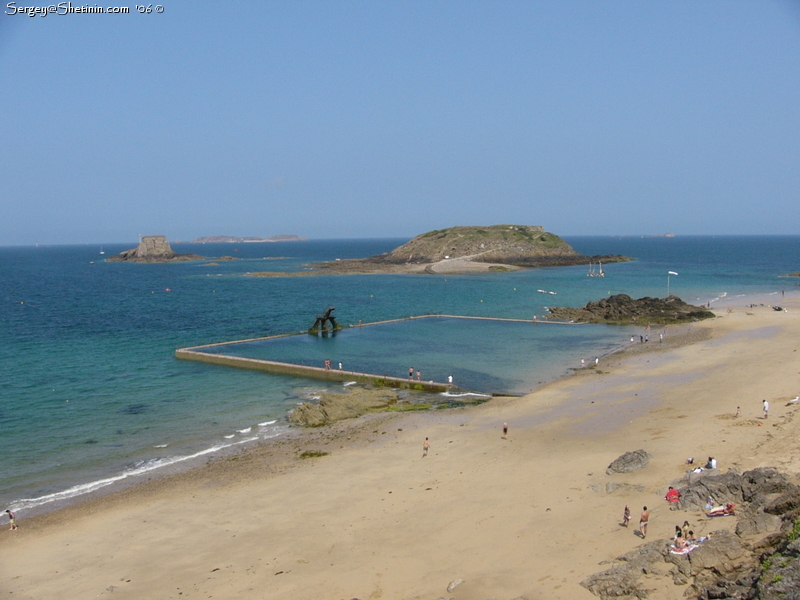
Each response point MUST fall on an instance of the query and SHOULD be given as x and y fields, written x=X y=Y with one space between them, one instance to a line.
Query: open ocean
x=91 y=394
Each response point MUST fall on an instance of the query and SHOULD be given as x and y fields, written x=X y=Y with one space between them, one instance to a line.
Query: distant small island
x=226 y=239
x=471 y=250
x=153 y=249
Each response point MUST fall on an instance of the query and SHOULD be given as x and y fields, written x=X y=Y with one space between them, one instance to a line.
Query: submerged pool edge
x=194 y=353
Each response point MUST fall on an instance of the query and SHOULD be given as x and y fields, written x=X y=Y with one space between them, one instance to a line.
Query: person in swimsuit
x=505 y=431
x=425 y=447
x=626 y=516
x=643 y=520
x=12 y=520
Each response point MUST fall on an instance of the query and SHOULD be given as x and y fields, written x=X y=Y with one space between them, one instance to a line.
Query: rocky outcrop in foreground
x=629 y=462
x=153 y=249
x=621 y=309
x=760 y=561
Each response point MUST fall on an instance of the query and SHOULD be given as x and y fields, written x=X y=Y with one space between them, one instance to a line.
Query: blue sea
x=91 y=395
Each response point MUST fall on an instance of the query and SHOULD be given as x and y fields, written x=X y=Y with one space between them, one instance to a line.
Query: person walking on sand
x=505 y=431
x=12 y=520
x=425 y=447
x=738 y=411
x=643 y=520
x=626 y=516
x=766 y=408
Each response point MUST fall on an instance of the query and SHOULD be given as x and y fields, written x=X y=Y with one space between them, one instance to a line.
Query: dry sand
x=527 y=516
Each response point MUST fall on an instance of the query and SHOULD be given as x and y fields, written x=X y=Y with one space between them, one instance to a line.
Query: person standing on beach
x=425 y=447
x=626 y=516
x=766 y=409
x=643 y=520
x=505 y=431
x=449 y=379
x=419 y=376
x=738 y=411
x=12 y=520
x=411 y=372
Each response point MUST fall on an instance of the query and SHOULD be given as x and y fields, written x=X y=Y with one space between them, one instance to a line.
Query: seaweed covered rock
x=338 y=407
x=621 y=309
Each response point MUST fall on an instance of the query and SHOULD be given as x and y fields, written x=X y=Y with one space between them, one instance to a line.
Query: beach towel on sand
x=685 y=550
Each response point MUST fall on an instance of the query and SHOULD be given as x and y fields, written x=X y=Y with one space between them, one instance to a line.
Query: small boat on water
x=593 y=273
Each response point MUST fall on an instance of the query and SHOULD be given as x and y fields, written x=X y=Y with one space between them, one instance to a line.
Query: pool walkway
x=202 y=354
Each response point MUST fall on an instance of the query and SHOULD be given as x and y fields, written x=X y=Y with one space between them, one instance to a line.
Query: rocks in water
x=621 y=309
x=153 y=249
x=630 y=461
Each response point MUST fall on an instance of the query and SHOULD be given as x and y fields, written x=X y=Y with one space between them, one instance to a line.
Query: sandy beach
x=528 y=516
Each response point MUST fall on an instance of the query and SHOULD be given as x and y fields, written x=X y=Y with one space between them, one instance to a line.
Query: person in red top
x=673 y=495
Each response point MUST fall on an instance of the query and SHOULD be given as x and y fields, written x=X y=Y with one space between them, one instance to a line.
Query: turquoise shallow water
x=489 y=356
x=90 y=390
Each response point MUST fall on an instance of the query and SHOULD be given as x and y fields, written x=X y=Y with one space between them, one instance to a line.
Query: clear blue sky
x=387 y=119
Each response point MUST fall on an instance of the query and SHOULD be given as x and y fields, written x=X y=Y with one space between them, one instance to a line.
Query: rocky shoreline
x=621 y=309
x=760 y=560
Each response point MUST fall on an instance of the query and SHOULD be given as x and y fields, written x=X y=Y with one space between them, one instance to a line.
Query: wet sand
x=527 y=516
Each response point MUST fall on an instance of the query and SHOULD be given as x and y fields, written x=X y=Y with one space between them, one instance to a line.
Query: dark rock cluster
x=621 y=309
x=628 y=462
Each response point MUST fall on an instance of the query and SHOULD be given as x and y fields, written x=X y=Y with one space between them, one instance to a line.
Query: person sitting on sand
x=690 y=537
x=672 y=496
x=709 y=503
x=626 y=516
x=712 y=463
x=685 y=529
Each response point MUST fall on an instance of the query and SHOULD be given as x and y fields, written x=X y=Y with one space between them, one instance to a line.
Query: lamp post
x=668 y=274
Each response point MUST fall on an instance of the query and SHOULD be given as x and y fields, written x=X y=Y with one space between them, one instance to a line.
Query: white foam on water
x=227 y=437
x=161 y=446
x=453 y=395
x=265 y=423
x=348 y=383
x=245 y=430
x=138 y=468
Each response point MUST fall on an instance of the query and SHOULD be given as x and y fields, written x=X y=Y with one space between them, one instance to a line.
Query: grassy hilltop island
x=472 y=249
